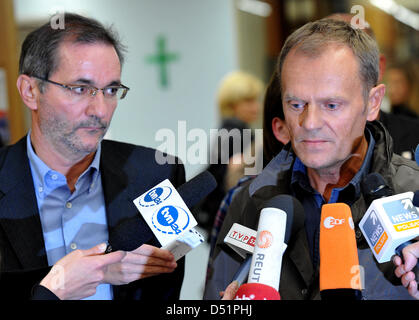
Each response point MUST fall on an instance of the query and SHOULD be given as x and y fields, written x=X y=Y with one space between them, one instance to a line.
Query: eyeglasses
x=83 y=91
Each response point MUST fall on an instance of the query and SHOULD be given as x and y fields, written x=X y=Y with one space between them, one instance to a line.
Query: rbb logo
x=170 y=220
x=155 y=196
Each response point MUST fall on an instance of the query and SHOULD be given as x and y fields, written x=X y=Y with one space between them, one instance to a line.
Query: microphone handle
x=341 y=294
x=243 y=272
x=399 y=249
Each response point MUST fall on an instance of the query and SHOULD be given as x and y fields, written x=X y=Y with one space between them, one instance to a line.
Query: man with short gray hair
x=328 y=73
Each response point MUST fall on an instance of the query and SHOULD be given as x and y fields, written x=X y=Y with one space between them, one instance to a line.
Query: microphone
x=257 y=291
x=279 y=217
x=391 y=221
x=399 y=249
x=373 y=187
x=339 y=265
x=197 y=188
x=242 y=272
x=127 y=238
x=240 y=240
x=415 y=200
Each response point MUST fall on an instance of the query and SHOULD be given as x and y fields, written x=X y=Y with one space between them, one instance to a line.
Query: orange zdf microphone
x=340 y=274
x=275 y=226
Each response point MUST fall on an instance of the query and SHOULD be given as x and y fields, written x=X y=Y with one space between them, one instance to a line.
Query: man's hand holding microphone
x=405 y=266
x=77 y=275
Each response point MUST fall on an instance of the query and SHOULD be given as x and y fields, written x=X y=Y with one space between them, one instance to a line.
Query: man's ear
x=280 y=130
x=374 y=101
x=28 y=91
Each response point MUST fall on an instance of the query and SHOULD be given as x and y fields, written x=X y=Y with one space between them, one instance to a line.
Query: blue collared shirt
x=312 y=200
x=70 y=221
x=376 y=286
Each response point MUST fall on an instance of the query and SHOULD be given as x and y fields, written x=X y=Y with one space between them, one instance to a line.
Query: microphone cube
x=241 y=239
x=389 y=222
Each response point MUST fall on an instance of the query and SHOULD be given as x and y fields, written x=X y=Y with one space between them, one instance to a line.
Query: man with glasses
x=64 y=190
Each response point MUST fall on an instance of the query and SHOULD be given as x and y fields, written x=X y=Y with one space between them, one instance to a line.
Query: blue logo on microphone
x=170 y=220
x=155 y=196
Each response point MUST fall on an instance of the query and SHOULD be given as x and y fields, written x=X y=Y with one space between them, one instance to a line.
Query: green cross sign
x=162 y=58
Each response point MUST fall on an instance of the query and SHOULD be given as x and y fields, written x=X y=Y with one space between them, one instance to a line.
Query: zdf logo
x=330 y=222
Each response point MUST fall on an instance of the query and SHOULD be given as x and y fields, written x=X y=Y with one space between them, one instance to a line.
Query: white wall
x=202 y=32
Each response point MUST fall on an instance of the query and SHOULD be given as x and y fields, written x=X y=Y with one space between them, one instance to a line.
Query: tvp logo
x=170 y=220
x=155 y=196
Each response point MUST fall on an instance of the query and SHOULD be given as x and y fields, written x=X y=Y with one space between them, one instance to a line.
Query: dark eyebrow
x=90 y=82
x=114 y=83
x=83 y=81
x=291 y=97
x=333 y=99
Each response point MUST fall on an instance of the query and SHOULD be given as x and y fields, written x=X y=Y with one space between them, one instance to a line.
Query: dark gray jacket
x=127 y=171
x=299 y=280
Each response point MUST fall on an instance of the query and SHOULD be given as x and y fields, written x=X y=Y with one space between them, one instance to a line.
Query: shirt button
x=54 y=177
x=41 y=189
x=304 y=292
x=358 y=234
x=73 y=246
x=68 y=205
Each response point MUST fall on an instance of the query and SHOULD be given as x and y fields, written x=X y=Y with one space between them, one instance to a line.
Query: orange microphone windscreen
x=339 y=264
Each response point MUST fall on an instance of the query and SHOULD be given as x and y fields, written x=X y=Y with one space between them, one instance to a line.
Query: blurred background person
x=275 y=136
x=238 y=100
x=399 y=88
